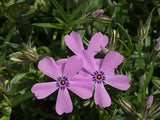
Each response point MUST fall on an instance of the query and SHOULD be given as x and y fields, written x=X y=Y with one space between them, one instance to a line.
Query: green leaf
x=49 y=25
x=20 y=87
x=1 y=38
x=22 y=97
x=7 y=100
x=60 y=21
x=130 y=44
x=5 y=118
x=148 y=79
x=60 y=10
x=9 y=35
x=139 y=48
x=148 y=22
x=139 y=63
x=17 y=78
x=80 y=21
x=78 y=10
x=125 y=46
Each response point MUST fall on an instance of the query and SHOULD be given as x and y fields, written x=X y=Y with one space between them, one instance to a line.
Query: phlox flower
x=101 y=71
x=66 y=78
x=97 y=42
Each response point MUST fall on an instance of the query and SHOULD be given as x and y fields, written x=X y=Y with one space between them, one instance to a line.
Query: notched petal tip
x=74 y=42
x=101 y=96
x=42 y=90
x=120 y=82
x=111 y=61
x=63 y=103
x=97 y=41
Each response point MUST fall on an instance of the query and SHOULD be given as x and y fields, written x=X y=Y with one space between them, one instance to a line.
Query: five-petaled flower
x=79 y=72
x=102 y=72
x=97 y=42
x=66 y=78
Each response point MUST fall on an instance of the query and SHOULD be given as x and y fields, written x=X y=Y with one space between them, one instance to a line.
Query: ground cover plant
x=79 y=60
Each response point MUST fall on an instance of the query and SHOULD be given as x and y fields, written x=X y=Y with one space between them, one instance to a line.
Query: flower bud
x=30 y=53
x=112 y=41
x=156 y=83
x=142 y=32
x=104 y=19
x=126 y=105
x=19 y=59
x=154 y=109
x=27 y=55
x=149 y=101
x=98 y=12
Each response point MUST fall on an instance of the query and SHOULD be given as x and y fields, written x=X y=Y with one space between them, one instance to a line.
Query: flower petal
x=49 y=67
x=72 y=66
x=63 y=103
x=89 y=62
x=74 y=42
x=99 y=62
x=81 y=86
x=111 y=61
x=118 y=81
x=42 y=90
x=61 y=63
x=101 y=96
x=97 y=42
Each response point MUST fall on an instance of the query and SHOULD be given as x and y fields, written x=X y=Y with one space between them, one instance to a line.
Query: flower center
x=98 y=77
x=62 y=82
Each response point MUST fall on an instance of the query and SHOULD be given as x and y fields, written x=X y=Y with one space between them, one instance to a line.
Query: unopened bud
x=112 y=41
x=98 y=12
x=126 y=105
x=31 y=56
x=30 y=53
x=156 y=83
x=104 y=19
x=142 y=32
x=154 y=110
x=149 y=101
x=19 y=59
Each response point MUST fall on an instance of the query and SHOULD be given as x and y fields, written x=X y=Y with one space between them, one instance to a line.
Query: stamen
x=99 y=76
x=63 y=82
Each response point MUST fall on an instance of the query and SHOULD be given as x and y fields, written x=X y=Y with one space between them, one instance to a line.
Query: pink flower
x=101 y=71
x=98 y=12
x=149 y=101
x=97 y=42
x=66 y=78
